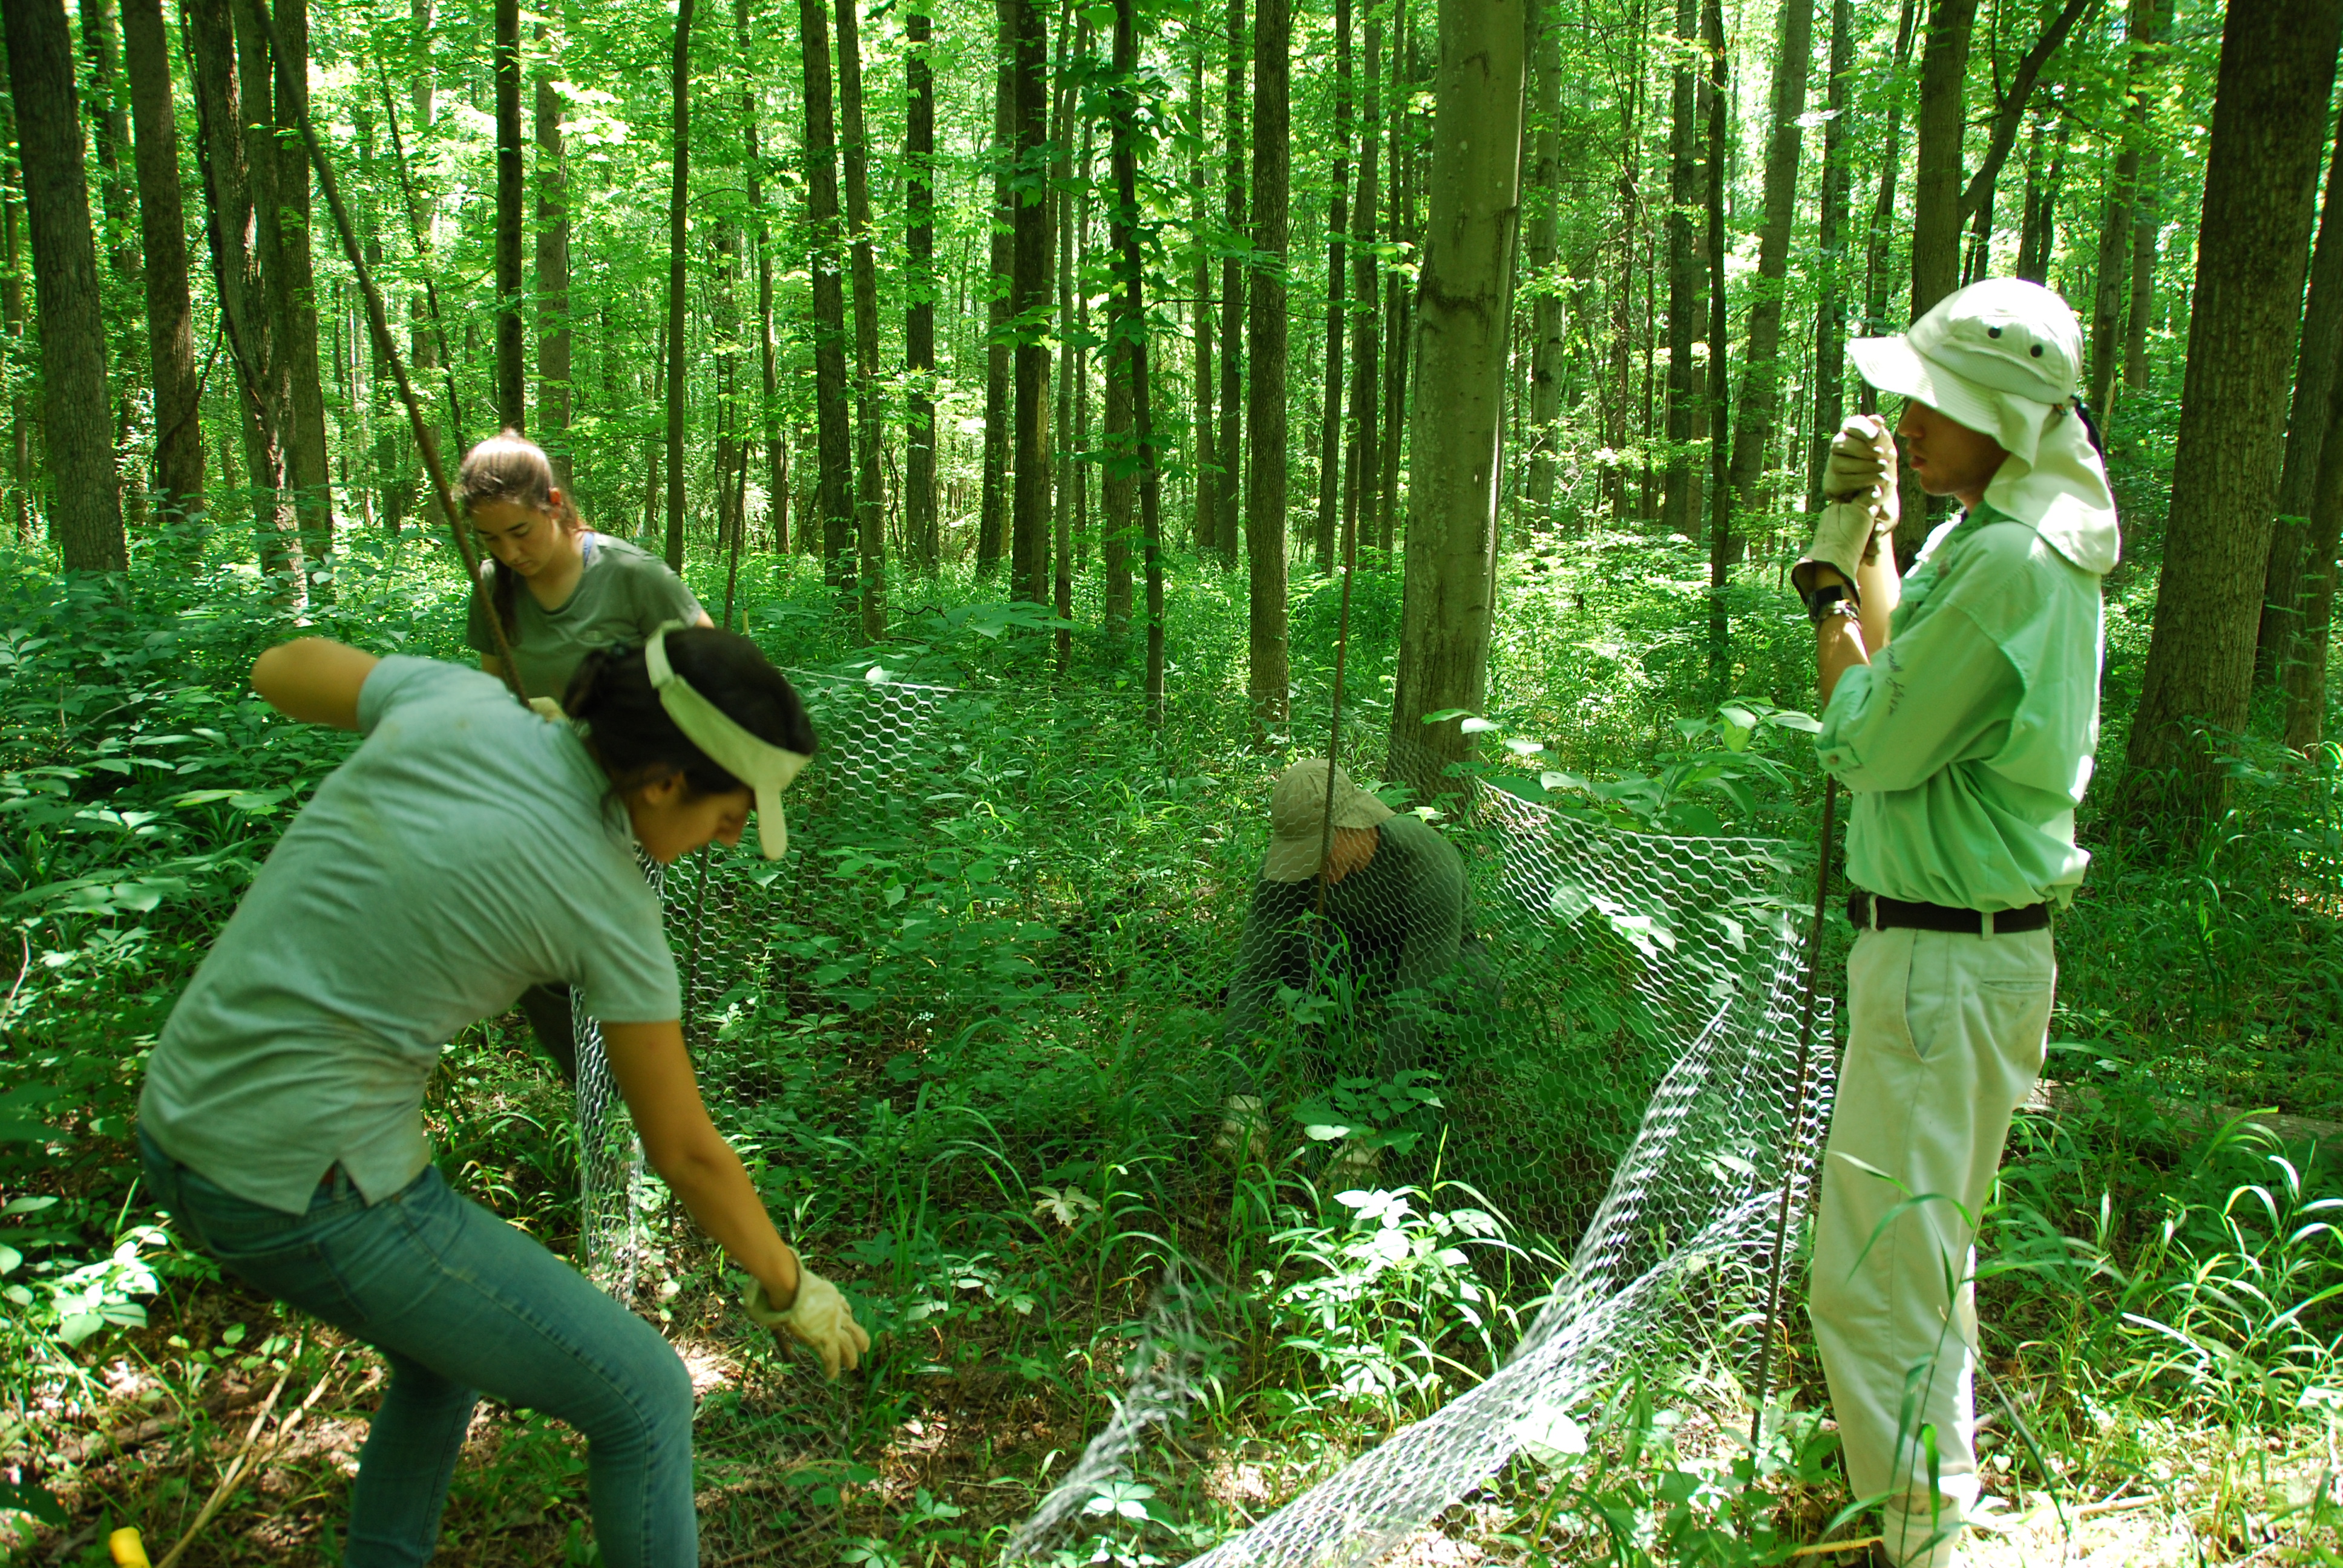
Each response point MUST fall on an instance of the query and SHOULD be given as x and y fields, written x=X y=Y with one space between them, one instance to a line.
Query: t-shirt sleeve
x=402 y=678
x=626 y=970
x=666 y=597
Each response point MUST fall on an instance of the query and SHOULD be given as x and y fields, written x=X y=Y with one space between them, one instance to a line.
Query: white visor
x=765 y=768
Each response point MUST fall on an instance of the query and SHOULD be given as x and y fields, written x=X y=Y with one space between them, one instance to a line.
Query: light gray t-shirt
x=466 y=851
x=624 y=594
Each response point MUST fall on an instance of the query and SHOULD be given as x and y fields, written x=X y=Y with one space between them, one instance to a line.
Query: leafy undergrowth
x=1003 y=1175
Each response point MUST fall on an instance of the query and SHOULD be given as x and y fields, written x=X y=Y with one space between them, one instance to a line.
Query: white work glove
x=1859 y=503
x=545 y=708
x=819 y=1319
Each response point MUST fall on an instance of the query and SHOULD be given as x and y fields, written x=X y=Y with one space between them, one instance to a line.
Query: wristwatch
x=1830 y=599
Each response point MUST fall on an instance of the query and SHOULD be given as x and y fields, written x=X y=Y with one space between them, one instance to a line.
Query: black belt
x=1873 y=913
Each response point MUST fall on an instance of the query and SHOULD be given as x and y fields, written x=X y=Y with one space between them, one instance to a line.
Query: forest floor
x=2161 y=1307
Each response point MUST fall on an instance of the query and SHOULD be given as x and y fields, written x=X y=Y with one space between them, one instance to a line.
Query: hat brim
x=772 y=827
x=1893 y=365
x=1291 y=860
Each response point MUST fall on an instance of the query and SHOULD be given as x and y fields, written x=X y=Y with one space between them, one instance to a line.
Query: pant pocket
x=1879 y=986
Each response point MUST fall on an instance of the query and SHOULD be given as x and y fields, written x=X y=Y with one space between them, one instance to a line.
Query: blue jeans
x=460 y=1305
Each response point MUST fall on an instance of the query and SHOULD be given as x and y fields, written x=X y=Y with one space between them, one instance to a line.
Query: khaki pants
x=1945 y=1039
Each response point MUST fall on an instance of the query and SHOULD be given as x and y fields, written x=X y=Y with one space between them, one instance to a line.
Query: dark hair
x=636 y=741
x=509 y=466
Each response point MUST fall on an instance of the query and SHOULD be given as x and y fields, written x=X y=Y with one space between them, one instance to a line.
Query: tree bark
x=869 y=508
x=553 y=388
x=1338 y=219
x=2304 y=672
x=2307 y=426
x=170 y=313
x=1204 y=452
x=2150 y=18
x=2116 y=228
x=1235 y=272
x=1359 y=462
x=512 y=355
x=85 y=506
x=1830 y=310
x=994 y=504
x=1467 y=312
x=833 y=444
x=1937 y=205
x=1029 y=306
x=1399 y=306
x=1545 y=200
x=679 y=220
x=2011 y=114
x=1681 y=491
x=1130 y=333
x=2040 y=233
x=920 y=321
x=1266 y=345
x=2269 y=114
x=1875 y=265
x=109 y=125
x=12 y=316
x=283 y=227
x=1753 y=435
x=1721 y=551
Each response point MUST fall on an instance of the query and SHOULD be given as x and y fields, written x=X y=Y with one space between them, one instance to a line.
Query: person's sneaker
x=1244 y=1128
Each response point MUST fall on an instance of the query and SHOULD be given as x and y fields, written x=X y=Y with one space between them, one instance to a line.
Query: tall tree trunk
x=1338 y=218
x=919 y=320
x=1830 y=242
x=109 y=127
x=1936 y=194
x=870 y=502
x=1359 y=461
x=512 y=355
x=1065 y=473
x=1679 y=502
x=1130 y=334
x=993 y=505
x=292 y=284
x=2111 y=278
x=2306 y=434
x=553 y=393
x=170 y=314
x=1399 y=308
x=1204 y=452
x=2269 y=114
x=1266 y=345
x=679 y=218
x=1620 y=383
x=2040 y=234
x=2148 y=21
x=1234 y=273
x=1753 y=435
x=1466 y=311
x=12 y=316
x=1877 y=261
x=2304 y=670
x=1029 y=306
x=85 y=506
x=833 y=444
x=1721 y=551
x=1545 y=200
x=244 y=324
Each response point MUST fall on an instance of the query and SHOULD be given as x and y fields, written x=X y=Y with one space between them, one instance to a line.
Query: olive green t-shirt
x=466 y=851
x=1968 y=742
x=624 y=594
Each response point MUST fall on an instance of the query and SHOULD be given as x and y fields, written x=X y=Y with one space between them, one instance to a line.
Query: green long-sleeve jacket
x=1968 y=741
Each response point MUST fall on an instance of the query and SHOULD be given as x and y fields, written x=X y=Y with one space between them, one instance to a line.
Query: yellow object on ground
x=129 y=1552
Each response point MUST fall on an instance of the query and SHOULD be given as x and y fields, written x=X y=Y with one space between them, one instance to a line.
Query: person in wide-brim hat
x=1961 y=709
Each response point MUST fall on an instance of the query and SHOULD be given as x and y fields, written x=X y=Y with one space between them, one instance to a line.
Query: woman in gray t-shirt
x=561 y=591
x=466 y=849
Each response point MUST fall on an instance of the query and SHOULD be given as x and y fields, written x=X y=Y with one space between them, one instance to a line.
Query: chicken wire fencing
x=1585 y=1038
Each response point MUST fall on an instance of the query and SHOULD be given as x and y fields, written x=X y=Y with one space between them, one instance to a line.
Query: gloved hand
x=1844 y=535
x=1861 y=465
x=819 y=1319
x=1860 y=503
x=545 y=708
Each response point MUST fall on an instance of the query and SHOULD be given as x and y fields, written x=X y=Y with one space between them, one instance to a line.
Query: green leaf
x=18 y=1497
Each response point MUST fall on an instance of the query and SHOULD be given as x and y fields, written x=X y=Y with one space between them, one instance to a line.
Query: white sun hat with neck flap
x=2002 y=357
x=765 y=768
